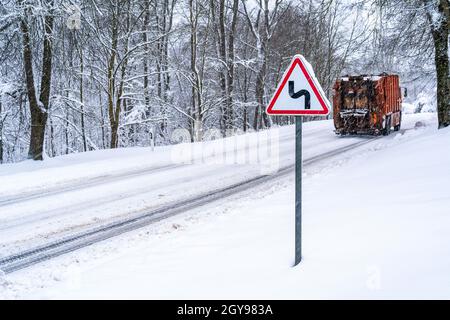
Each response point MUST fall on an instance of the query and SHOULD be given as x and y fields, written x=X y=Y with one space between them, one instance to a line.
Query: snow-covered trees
x=78 y=75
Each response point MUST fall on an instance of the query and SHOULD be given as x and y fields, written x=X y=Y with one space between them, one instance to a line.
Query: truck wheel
x=397 y=127
x=387 y=130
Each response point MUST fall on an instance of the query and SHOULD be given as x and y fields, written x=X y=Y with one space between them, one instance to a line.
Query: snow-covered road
x=54 y=200
x=155 y=255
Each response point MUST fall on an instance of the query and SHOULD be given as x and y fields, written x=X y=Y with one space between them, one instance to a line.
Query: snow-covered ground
x=376 y=224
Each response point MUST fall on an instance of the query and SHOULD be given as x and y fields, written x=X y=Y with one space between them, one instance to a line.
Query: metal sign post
x=298 y=189
x=298 y=94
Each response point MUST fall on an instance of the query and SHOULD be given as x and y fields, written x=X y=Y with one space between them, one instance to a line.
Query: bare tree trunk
x=168 y=24
x=265 y=45
x=145 y=62
x=244 y=88
x=223 y=66
x=113 y=117
x=163 y=56
x=66 y=132
x=102 y=123
x=145 y=58
x=440 y=32
x=261 y=119
x=83 y=126
x=196 y=81
x=245 y=120
x=230 y=64
x=115 y=95
x=158 y=49
x=51 y=141
x=218 y=24
x=38 y=109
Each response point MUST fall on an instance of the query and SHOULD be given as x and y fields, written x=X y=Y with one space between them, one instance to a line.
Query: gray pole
x=298 y=189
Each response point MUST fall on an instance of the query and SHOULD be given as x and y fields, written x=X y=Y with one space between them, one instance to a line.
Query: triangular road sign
x=299 y=92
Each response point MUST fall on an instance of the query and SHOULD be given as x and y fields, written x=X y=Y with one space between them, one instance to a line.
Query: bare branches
x=132 y=69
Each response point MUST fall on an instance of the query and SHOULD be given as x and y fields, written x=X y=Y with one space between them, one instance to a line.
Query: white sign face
x=299 y=92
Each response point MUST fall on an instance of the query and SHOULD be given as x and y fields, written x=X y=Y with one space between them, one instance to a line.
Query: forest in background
x=81 y=75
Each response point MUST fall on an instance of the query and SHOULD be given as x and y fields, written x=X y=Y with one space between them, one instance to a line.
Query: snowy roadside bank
x=382 y=231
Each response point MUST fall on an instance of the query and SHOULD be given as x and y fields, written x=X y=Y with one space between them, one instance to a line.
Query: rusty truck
x=367 y=104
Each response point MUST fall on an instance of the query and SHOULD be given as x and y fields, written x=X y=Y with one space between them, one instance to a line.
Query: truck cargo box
x=367 y=104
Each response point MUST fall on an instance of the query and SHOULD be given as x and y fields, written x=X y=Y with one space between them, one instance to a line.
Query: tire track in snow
x=92 y=182
x=79 y=240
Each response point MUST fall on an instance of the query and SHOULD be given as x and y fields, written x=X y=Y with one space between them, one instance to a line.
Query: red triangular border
x=270 y=111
